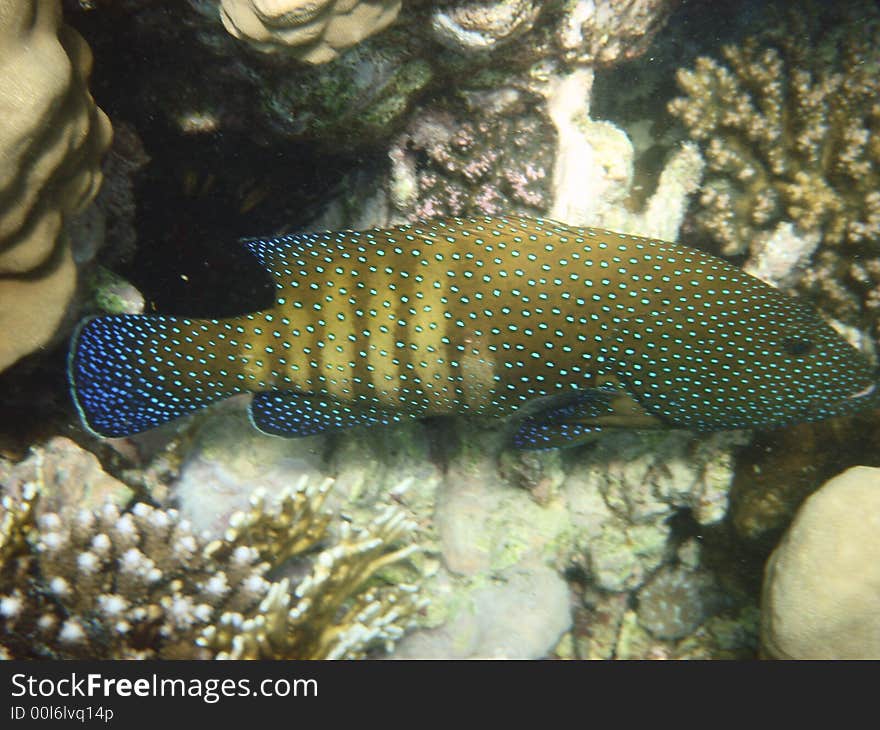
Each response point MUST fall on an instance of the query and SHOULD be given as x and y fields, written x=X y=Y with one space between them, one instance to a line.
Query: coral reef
x=593 y=171
x=489 y=156
x=111 y=294
x=475 y=27
x=680 y=612
x=116 y=198
x=356 y=100
x=675 y=602
x=51 y=141
x=360 y=96
x=822 y=583
x=623 y=497
x=601 y=32
x=730 y=635
x=777 y=472
x=527 y=145
x=519 y=614
x=312 y=31
x=66 y=475
x=499 y=526
x=789 y=130
x=140 y=583
x=480 y=106
x=783 y=257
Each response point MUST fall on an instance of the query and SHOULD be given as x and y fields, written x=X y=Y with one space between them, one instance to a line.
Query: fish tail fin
x=130 y=372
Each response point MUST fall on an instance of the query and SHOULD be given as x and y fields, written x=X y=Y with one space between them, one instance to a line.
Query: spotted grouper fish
x=563 y=330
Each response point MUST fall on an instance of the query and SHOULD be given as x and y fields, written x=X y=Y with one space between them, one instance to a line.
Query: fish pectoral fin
x=292 y=414
x=569 y=419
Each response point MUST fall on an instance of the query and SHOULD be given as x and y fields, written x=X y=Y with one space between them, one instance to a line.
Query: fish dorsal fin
x=280 y=254
x=292 y=414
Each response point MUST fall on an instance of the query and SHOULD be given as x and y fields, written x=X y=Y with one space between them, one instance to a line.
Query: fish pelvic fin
x=129 y=373
x=575 y=417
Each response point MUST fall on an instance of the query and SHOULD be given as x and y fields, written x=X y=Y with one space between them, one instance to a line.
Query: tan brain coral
x=821 y=597
x=316 y=31
x=51 y=141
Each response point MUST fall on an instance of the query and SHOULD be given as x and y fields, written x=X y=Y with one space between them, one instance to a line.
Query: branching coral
x=786 y=143
x=140 y=583
x=790 y=131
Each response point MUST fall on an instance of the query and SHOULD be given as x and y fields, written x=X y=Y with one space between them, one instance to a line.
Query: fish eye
x=797 y=346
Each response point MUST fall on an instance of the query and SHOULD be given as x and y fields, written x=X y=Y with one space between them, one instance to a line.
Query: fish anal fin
x=292 y=414
x=538 y=435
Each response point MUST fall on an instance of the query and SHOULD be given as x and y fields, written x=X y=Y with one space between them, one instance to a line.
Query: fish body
x=563 y=329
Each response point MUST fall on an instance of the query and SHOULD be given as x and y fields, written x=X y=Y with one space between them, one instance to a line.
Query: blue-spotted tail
x=129 y=373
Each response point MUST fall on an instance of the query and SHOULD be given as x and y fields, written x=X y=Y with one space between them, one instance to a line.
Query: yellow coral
x=328 y=615
x=16 y=523
x=315 y=31
x=140 y=584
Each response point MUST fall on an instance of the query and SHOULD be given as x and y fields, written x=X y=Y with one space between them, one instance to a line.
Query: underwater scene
x=439 y=329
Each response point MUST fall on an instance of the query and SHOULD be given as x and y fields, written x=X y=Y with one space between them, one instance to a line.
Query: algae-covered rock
x=354 y=100
x=66 y=476
x=519 y=615
x=675 y=601
x=228 y=460
x=780 y=469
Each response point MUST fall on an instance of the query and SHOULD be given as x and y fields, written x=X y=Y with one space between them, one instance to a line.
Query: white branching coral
x=141 y=584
